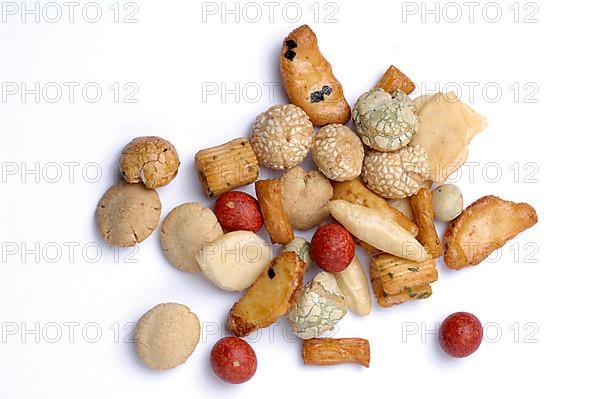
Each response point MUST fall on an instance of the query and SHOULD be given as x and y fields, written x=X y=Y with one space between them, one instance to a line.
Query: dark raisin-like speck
x=326 y=90
x=271 y=273
x=291 y=44
x=290 y=54
x=316 y=96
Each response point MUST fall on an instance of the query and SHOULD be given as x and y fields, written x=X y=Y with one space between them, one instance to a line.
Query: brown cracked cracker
x=151 y=160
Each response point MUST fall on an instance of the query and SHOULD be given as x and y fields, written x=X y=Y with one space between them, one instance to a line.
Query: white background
x=174 y=54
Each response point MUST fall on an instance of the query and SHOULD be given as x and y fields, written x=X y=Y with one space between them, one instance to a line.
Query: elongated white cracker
x=353 y=283
x=374 y=228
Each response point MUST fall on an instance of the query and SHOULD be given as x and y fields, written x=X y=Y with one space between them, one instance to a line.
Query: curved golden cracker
x=484 y=226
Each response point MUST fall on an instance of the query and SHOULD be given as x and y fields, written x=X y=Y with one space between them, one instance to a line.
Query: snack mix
x=377 y=189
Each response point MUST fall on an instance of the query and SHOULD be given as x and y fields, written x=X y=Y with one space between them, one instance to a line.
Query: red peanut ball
x=236 y=210
x=233 y=360
x=332 y=247
x=461 y=334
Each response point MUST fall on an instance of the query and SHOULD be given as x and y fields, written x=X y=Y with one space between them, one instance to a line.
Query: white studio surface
x=75 y=91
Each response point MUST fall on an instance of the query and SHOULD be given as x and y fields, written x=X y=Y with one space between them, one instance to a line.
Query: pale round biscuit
x=167 y=335
x=127 y=214
x=183 y=232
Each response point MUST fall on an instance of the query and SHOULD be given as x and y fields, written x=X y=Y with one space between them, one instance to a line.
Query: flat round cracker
x=167 y=335
x=127 y=214
x=183 y=232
